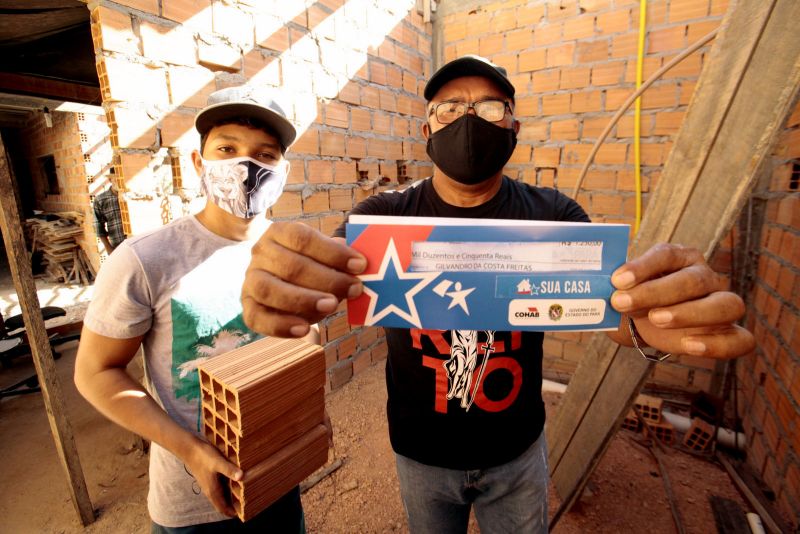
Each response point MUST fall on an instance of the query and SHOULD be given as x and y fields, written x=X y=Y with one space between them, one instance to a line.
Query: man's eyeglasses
x=489 y=110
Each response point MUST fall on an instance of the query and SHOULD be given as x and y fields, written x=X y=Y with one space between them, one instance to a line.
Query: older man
x=453 y=454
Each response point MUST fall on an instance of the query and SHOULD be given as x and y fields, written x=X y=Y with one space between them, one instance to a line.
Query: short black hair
x=250 y=122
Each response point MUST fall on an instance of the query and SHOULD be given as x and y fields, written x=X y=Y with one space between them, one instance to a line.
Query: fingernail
x=355 y=291
x=327 y=304
x=621 y=301
x=238 y=475
x=694 y=347
x=661 y=317
x=356 y=265
x=298 y=330
x=623 y=280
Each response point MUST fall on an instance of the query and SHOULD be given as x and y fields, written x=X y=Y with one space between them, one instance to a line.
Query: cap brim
x=217 y=113
x=466 y=66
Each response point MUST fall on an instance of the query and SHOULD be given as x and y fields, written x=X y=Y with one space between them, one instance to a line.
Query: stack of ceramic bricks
x=650 y=409
x=263 y=408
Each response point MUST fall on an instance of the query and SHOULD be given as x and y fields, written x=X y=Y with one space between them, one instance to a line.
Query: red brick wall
x=79 y=144
x=573 y=63
x=355 y=73
x=770 y=379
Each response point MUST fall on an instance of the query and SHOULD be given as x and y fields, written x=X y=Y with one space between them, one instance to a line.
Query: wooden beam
x=20 y=264
x=46 y=87
x=742 y=100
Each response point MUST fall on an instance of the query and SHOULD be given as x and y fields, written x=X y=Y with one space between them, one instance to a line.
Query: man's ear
x=197 y=161
x=516 y=125
x=426 y=130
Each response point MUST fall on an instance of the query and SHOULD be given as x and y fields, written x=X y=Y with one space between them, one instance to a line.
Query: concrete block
x=235 y=24
x=190 y=87
x=170 y=45
x=123 y=80
x=148 y=6
x=131 y=128
x=195 y=14
x=219 y=56
x=112 y=31
x=177 y=130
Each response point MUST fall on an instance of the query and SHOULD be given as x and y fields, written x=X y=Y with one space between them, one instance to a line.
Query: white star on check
x=459 y=297
x=425 y=279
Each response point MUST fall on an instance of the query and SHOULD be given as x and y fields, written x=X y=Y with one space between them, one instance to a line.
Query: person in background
x=175 y=292
x=108 y=219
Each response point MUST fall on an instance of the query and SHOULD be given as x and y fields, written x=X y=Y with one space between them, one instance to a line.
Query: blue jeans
x=508 y=498
x=284 y=516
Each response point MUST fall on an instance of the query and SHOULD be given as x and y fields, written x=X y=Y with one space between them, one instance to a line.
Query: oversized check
x=478 y=274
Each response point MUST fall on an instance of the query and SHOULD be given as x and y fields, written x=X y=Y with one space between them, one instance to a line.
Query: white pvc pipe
x=725 y=436
x=754 y=520
x=555 y=387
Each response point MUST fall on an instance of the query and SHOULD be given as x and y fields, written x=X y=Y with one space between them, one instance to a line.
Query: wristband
x=635 y=337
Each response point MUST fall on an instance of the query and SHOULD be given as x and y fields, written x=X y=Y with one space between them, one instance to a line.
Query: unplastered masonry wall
x=769 y=398
x=573 y=63
x=352 y=72
x=79 y=145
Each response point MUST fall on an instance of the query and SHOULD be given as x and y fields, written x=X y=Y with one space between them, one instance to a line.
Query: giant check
x=478 y=274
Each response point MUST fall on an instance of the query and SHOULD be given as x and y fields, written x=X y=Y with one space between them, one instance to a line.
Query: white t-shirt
x=180 y=286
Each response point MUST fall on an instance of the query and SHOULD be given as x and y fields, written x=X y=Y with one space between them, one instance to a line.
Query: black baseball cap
x=247 y=101
x=469 y=65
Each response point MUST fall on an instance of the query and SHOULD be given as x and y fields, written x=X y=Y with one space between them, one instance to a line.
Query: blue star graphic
x=394 y=289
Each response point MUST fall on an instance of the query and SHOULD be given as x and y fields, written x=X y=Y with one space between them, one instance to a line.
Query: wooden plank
x=19 y=263
x=742 y=100
x=728 y=516
x=44 y=87
x=774 y=524
x=580 y=394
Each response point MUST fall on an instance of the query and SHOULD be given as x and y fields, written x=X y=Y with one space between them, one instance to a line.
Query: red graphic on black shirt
x=460 y=376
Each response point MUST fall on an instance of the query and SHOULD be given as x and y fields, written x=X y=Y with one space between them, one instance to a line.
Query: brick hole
x=794 y=179
x=402 y=172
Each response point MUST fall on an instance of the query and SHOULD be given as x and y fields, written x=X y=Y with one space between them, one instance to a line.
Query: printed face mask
x=471 y=150
x=243 y=186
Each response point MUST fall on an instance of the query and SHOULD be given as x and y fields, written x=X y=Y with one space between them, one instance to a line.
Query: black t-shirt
x=466 y=399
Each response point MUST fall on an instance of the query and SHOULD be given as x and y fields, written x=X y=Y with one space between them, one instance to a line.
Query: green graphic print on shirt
x=203 y=326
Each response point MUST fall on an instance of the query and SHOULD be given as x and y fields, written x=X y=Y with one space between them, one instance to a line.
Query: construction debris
x=646 y=416
x=65 y=260
x=699 y=436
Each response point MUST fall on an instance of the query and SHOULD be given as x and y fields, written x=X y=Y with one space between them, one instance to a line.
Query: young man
x=453 y=454
x=176 y=292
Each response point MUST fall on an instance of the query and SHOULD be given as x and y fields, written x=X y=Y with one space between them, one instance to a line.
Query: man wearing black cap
x=481 y=444
x=175 y=292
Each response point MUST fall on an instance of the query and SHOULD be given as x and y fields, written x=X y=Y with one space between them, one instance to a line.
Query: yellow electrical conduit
x=627 y=104
x=637 y=118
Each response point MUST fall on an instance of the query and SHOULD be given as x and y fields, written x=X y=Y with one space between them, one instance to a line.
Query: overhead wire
x=627 y=104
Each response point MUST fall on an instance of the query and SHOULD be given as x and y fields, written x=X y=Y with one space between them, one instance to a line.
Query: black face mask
x=471 y=150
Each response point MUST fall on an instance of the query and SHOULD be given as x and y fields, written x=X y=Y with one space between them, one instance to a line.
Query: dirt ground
x=627 y=493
